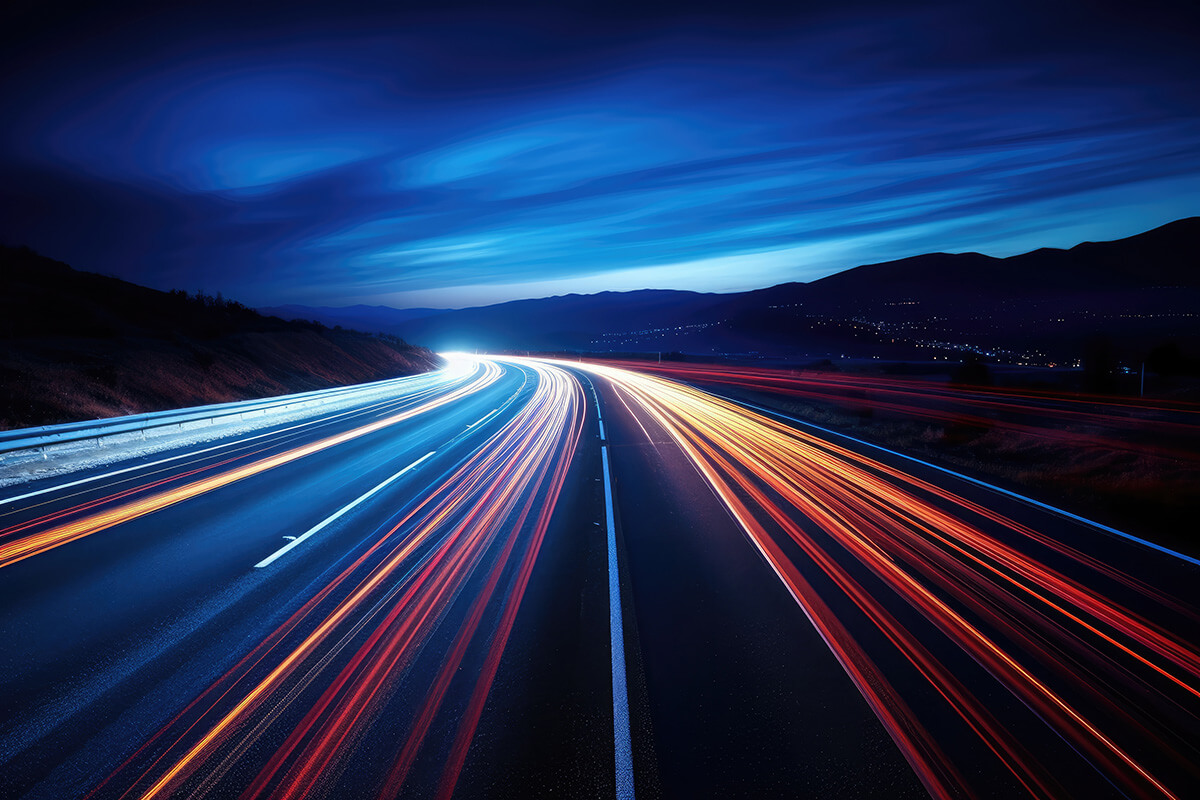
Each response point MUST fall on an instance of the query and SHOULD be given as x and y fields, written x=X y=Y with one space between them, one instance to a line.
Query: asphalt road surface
x=526 y=578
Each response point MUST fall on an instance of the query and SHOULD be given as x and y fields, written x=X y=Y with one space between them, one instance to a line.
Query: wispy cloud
x=335 y=168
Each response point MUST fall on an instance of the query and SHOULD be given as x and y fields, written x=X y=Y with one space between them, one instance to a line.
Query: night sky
x=407 y=156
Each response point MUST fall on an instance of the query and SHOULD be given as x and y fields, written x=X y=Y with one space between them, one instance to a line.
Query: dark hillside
x=76 y=345
x=1103 y=303
x=1047 y=306
x=574 y=320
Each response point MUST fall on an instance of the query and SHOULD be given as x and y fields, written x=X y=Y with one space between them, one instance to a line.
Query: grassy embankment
x=76 y=345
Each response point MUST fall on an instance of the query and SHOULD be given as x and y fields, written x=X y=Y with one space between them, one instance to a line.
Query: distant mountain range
x=1047 y=306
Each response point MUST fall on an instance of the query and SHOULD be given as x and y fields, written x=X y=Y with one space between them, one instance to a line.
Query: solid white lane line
x=484 y=419
x=621 y=740
x=299 y=539
x=599 y=418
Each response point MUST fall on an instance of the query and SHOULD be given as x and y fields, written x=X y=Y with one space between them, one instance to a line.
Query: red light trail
x=357 y=636
x=1144 y=427
x=813 y=508
x=985 y=644
x=29 y=538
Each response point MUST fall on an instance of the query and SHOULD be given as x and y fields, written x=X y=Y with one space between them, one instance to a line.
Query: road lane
x=1136 y=425
x=154 y=619
x=20 y=541
x=436 y=605
x=149 y=569
x=296 y=541
x=1005 y=649
x=740 y=697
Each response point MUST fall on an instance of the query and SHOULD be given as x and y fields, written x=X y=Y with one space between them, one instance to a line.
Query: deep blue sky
x=391 y=155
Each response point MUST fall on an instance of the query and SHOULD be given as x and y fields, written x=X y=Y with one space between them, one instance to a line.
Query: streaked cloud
x=348 y=165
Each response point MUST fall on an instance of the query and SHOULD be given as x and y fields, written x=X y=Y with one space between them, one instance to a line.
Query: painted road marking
x=599 y=419
x=316 y=528
x=486 y=418
x=616 y=630
x=621 y=740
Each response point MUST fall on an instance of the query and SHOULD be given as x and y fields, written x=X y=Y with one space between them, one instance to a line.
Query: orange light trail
x=350 y=646
x=812 y=508
x=16 y=547
x=1152 y=427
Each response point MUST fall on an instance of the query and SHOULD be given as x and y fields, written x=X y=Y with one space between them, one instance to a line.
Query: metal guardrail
x=50 y=435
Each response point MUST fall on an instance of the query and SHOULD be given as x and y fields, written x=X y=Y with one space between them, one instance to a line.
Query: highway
x=529 y=578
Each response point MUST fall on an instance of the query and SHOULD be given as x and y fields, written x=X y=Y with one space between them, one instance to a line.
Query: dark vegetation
x=77 y=345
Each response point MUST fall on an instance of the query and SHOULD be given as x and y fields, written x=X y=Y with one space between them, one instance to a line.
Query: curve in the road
x=882 y=538
x=32 y=537
x=1003 y=649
